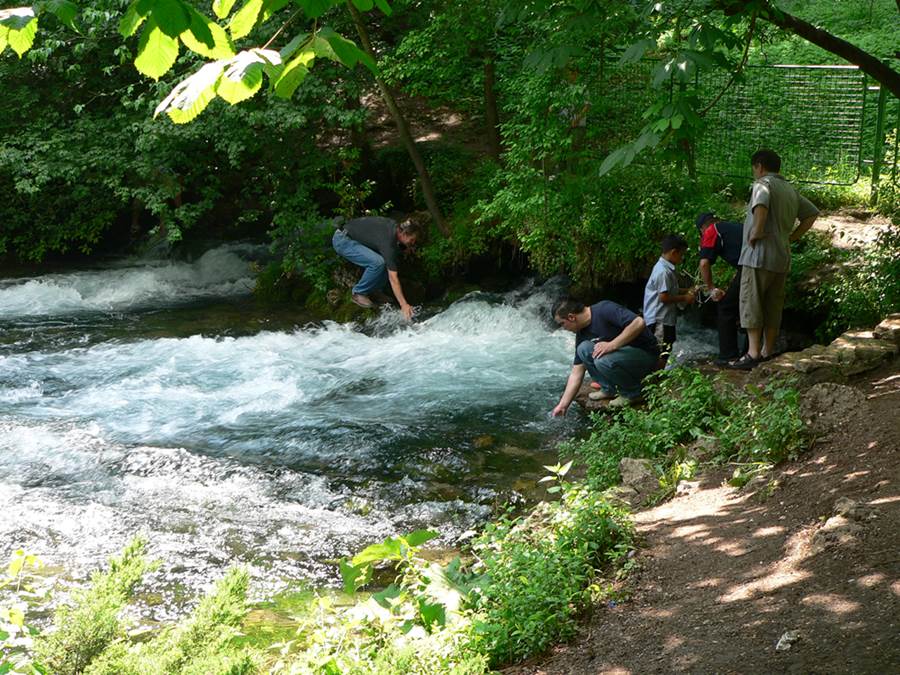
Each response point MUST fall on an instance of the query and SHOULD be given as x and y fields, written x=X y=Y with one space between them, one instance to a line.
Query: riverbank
x=795 y=572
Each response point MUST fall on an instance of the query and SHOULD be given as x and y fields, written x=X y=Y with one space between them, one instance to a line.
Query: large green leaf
x=271 y=6
x=64 y=10
x=389 y=549
x=364 y=5
x=190 y=97
x=131 y=21
x=18 y=29
x=345 y=51
x=207 y=38
x=384 y=7
x=354 y=577
x=295 y=71
x=242 y=22
x=419 y=537
x=293 y=45
x=316 y=8
x=156 y=51
x=243 y=75
x=16 y=18
x=222 y=8
x=172 y=17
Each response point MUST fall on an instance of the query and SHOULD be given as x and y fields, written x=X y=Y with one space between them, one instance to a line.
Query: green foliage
x=763 y=425
x=29 y=590
x=682 y=405
x=87 y=626
x=845 y=289
x=202 y=643
x=536 y=571
x=756 y=425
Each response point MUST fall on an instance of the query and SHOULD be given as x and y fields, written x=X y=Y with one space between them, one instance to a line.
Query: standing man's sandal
x=746 y=362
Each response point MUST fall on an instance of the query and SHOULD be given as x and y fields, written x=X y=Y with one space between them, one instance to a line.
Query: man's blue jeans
x=619 y=372
x=375 y=275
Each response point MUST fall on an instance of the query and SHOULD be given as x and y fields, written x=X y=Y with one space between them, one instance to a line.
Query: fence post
x=879 y=144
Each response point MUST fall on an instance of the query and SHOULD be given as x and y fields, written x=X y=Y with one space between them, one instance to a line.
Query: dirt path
x=724 y=574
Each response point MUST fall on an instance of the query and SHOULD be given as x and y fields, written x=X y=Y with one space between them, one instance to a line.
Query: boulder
x=639 y=475
x=889 y=329
x=845 y=527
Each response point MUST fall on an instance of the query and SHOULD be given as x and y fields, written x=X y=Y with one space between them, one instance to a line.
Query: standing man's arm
x=628 y=334
x=405 y=307
x=758 y=231
x=573 y=384
x=803 y=227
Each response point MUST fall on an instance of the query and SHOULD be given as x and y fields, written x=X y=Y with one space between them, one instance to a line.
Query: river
x=157 y=397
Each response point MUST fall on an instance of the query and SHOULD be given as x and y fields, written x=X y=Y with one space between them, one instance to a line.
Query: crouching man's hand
x=560 y=410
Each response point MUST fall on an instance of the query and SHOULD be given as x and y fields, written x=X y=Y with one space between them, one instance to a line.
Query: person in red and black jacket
x=722 y=238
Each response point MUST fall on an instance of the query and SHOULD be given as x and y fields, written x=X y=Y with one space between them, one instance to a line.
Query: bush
x=682 y=404
x=536 y=571
x=88 y=626
x=846 y=289
x=755 y=425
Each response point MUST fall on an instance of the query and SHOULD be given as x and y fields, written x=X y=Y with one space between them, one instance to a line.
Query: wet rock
x=334 y=297
x=482 y=442
x=826 y=406
x=639 y=475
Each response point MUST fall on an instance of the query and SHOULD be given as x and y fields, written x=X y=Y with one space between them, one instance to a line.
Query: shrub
x=536 y=571
x=91 y=623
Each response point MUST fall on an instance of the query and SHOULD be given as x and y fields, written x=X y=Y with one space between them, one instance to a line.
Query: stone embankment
x=852 y=353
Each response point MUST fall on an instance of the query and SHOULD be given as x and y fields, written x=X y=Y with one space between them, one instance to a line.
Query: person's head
x=765 y=161
x=673 y=248
x=705 y=219
x=566 y=311
x=411 y=230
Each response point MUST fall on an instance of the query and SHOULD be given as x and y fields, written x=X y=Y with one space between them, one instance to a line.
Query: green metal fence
x=811 y=115
x=829 y=123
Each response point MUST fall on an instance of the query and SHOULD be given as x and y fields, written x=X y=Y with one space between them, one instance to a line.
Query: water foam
x=220 y=272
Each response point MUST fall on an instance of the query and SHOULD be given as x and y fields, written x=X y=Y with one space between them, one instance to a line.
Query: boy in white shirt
x=662 y=294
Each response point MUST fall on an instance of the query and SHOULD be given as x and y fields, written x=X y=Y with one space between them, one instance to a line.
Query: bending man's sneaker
x=623 y=402
x=601 y=395
x=362 y=300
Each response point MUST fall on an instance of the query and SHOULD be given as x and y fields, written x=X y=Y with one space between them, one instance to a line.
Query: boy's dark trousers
x=728 y=319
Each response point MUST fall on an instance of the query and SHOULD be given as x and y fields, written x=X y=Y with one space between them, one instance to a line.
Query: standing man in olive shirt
x=769 y=228
x=374 y=244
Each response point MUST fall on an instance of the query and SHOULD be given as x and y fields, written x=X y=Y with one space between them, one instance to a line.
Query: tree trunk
x=492 y=119
x=402 y=127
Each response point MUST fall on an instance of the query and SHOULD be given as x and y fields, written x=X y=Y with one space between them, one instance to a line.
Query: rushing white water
x=280 y=449
x=220 y=272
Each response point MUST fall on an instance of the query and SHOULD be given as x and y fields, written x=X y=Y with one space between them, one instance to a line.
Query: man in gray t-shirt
x=374 y=243
x=774 y=208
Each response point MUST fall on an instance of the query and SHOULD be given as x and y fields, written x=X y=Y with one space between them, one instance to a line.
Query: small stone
x=787 y=639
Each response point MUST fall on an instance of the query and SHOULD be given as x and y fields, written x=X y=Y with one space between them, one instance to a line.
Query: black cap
x=704 y=218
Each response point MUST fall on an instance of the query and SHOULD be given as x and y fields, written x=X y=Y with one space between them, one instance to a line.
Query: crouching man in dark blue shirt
x=612 y=344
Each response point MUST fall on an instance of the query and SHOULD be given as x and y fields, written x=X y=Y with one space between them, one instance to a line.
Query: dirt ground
x=725 y=573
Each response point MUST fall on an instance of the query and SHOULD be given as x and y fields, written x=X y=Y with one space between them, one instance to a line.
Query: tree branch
x=869 y=64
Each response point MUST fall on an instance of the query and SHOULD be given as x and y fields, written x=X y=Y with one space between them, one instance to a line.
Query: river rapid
x=158 y=398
